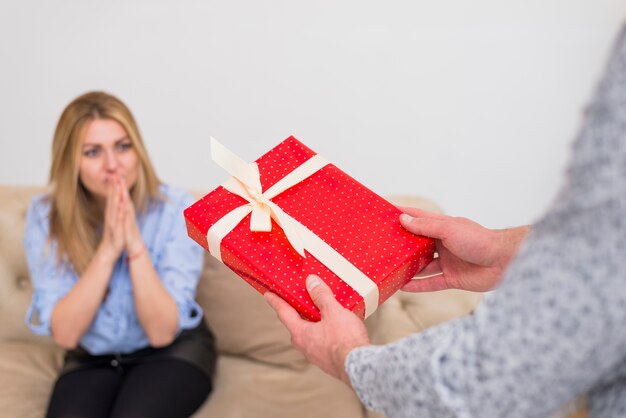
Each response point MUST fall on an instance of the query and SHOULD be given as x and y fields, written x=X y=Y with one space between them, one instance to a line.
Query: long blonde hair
x=75 y=221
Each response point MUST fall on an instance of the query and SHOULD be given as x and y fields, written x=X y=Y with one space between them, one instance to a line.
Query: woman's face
x=106 y=152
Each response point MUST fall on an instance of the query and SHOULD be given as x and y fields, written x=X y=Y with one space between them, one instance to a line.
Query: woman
x=115 y=274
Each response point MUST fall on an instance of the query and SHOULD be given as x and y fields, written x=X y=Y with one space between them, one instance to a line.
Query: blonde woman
x=115 y=274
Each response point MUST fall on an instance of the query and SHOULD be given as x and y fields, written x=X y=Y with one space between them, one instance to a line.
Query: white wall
x=472 y=104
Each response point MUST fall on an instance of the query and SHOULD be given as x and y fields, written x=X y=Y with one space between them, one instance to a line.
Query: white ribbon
x=246 y=182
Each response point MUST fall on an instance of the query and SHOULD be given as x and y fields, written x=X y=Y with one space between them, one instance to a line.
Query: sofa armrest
x=15 y=285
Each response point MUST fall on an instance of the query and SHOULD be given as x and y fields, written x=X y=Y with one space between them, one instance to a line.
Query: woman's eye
x=124 y=146
x=91 y=152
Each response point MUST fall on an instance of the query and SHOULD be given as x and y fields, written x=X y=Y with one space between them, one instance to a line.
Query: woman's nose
x=111 y=161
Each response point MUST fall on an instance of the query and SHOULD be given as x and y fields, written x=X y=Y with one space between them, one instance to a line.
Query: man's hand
x=471 y=257
x=325 y=343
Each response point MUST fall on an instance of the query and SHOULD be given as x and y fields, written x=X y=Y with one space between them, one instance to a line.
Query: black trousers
x=162 y=388
x=167 y=382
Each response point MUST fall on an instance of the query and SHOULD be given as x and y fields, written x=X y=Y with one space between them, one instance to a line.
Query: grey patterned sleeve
x=555 y=327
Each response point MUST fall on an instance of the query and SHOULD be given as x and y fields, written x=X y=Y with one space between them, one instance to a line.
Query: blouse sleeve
x=51 y=281
x=179 y=267
x=555 y=327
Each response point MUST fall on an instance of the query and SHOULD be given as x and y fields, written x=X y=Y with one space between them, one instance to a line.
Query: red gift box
x=359 y=227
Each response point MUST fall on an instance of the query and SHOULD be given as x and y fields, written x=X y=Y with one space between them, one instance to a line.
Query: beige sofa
x=259 y=373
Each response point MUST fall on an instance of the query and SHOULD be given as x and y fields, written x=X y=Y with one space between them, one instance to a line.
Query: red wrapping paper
x=360 y=225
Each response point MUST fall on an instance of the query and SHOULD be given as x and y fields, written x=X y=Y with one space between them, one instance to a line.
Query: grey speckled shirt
x=556 y=327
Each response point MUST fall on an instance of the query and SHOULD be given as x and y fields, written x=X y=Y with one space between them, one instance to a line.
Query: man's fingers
x=433 y=268
x=286 y=314
x=428 y=227
x=420 y=213
x=321 y=294
x=426 y=284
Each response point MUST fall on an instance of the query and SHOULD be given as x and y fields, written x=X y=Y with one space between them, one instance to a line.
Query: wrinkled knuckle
x=296 y=340
x=314 y=293
x=320 y=298
x=325 y=303
x=445 y=231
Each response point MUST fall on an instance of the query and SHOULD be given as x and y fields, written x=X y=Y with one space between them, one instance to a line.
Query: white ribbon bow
x=246 y=182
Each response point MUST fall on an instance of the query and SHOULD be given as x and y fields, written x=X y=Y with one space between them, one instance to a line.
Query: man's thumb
x=320 y=293
x=428 y=227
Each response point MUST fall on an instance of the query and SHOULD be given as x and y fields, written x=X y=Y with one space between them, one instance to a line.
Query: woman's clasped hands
x=120 y=229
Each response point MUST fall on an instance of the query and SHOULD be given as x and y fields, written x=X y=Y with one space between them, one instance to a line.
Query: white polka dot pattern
x=360 y=225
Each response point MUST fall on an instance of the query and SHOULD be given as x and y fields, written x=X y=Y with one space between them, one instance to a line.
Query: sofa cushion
x=412 y=312
x=31 y=368
x=245 y=388
x=243 y=323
